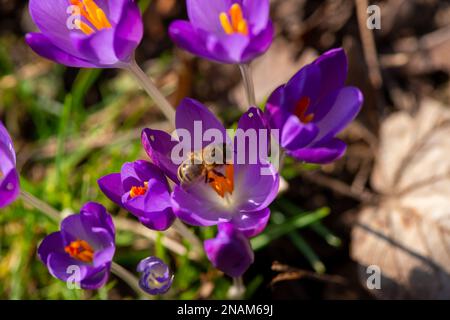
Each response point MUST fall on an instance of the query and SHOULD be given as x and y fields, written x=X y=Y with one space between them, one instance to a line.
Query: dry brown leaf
x=408 y=234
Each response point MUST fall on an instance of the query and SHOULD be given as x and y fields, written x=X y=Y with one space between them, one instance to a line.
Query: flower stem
x=187 y=233
x=128 y=278
x=237 y=290
x=40 y=205
x=248 y=84
x=149 y=86
x=55 y=215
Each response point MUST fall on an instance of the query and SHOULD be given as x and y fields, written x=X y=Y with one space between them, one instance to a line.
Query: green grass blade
x=298 y=222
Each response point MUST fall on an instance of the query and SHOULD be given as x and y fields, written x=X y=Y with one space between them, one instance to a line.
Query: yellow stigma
x=93 y=14
x=234 y=21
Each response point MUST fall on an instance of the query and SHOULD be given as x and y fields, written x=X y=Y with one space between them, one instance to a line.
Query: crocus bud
x=230 y=251
x=156 y=277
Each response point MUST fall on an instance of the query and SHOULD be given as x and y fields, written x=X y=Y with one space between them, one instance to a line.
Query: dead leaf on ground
x=408 y=234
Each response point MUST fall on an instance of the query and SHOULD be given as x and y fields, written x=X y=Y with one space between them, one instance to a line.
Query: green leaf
x=276 y=231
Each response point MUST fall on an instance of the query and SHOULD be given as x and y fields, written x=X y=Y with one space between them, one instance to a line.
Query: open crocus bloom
x=9 y=179
x=86 y=33
x=142 y=189
x=240 y=195
x=230 y=251
x=84 y=248
x=227 y=31
x=313 y=107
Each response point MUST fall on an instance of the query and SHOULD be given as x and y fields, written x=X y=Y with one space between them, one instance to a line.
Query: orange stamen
x=138 y=191
x=302 y=108
x=222 y=184
x=93 y=14
x=238 y=24
x=80 y=250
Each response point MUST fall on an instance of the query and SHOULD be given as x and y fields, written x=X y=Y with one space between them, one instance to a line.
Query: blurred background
x=382 y=204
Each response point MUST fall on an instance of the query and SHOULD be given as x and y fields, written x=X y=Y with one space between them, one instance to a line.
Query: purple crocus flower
x=142 y=189
x=86 y=33
x=156 y=277
x=313 y=107
x=230 y=251
x=9 y=178
x=82 y=251
x=227 y=31
x=240 y=194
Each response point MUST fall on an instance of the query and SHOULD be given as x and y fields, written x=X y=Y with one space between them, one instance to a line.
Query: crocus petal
x=159 y=145
x=51 y=243
x=187 y=37
x=230 y=251
x=129 y=31
x=322 y=153
x=96 y=279
x=159 y=221
x=252 y=223
x=200 y=206
x=94 y=215
x=295 y=134
x=305 y=83
x=252 y=138
x=257 y=13
x=134 y=174
x=51 y=17
x=111 y=186
x=333 y=68
x=154 y=209
x=9 y=188
x=345 y=107
x=195 y=119
x=234 y=45
x=105 y=255
x=259 y=44
x=7 y=145
x=62 y=266
x=204 y=14
x=45 y=48
x=99 y=47
x=246 y=177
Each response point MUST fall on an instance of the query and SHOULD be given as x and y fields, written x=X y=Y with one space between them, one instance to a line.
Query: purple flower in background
x=230 y=251
x=142 y=189
x=236 y=193
x=156 y=277
x=86 y=33
x=84 y=248
x=313 y=107
x=9 y=178
x=227 y=31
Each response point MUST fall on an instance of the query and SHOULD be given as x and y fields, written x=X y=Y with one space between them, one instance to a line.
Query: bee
x=212 y=165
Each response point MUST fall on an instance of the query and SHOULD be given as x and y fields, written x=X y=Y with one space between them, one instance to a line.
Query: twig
x=338 y=186
x=289 y=273
x=368 y=42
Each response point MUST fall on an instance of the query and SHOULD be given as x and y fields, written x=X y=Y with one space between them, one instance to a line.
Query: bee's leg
x=208 y=179
x=218 y=174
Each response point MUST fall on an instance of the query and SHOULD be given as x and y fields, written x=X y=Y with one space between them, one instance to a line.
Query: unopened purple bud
x=156 y=277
